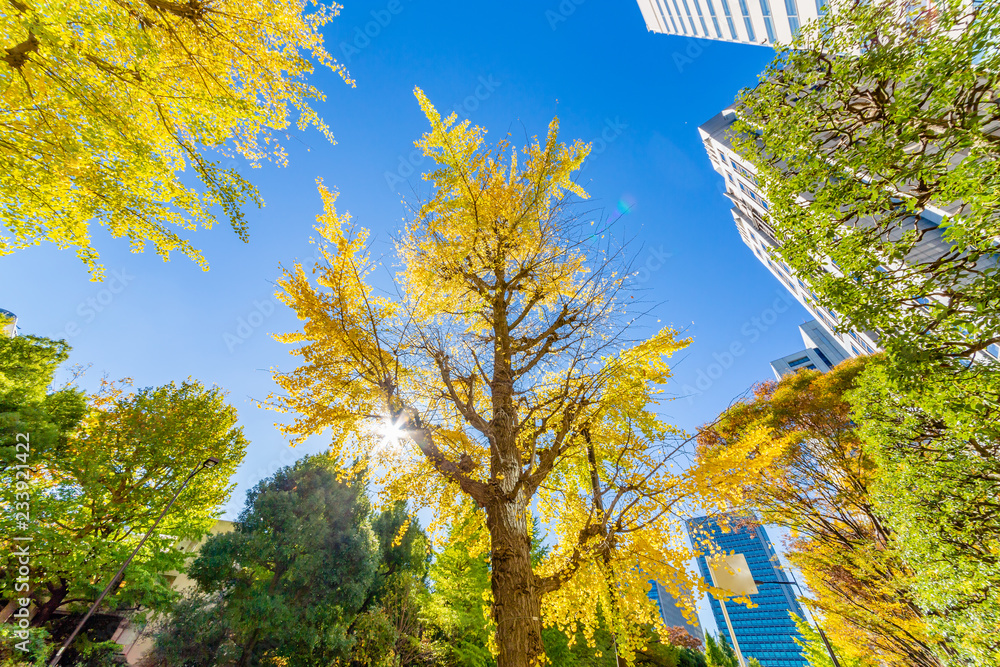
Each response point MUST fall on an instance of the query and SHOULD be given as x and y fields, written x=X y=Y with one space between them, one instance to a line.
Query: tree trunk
x=46 y=610
x=11 y=607
x=516 y=603
x=248 y=648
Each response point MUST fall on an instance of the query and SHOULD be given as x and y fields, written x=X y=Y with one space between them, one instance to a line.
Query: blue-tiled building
x=767 y=631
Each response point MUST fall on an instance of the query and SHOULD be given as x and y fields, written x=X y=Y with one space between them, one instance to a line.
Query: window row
x=677 y=15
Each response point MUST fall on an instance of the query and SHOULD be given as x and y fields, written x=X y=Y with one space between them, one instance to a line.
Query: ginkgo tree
x=502 y=373
x=105 y=103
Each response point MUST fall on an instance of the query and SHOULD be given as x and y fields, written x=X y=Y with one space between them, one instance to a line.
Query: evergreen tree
x=296 y=572
x=457 y=609
x=308 y=577
x=718 y=652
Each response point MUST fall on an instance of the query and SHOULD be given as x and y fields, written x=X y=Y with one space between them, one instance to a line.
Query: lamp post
x=734 y=576
x=210 y=462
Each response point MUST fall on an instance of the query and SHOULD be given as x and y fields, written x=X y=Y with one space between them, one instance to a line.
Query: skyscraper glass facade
x=671 y=613
x=765 y=632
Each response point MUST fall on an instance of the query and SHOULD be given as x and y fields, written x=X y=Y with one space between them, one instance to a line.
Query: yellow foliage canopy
x=500 y=376
x=106 y=102
x=816 y=481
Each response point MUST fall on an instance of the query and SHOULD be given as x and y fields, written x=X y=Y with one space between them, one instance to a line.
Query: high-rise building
x=750 y=206
x=8 y=323
x=822 y=352
x=671 y=612
x=766 y=631
x=763 y=22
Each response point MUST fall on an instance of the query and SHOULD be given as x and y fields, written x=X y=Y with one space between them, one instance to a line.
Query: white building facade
x=750 y=206
x=821 y=353
x=8 y=323
x=764 y=22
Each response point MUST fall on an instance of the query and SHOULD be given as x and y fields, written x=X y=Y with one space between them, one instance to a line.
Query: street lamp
x=735 y=576
x=210 y=462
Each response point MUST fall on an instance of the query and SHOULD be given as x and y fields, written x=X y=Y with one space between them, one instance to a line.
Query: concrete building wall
x=763 y=22
x=821 y=353
x=806 y=359
x=750 y=208
x=136 y=640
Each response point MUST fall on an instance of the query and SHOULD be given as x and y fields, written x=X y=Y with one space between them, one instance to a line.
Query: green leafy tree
x=194 y=634
x=881 y=167
x=28 y=365
x=308 y=576
x=95 y=492
x=400 y=584
x=34 y=422
x=852 y=149
x=297 y=570
x=938 y=485
x=824 y=488
x=403 y=548
x=457 y=609
x=12 y=653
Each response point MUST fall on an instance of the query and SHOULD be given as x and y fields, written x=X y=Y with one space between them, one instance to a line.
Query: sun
x=391 y=430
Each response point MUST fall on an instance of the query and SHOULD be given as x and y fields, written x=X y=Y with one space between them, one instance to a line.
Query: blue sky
x=509 y=67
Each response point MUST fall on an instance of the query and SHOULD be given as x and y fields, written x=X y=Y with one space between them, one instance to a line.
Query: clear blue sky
x=597 y=67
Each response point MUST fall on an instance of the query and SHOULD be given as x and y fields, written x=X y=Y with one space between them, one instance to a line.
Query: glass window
x=687 y=9
x=729 y=19
x=747 y=21
x=665 y=8
x=715 y=19
x=765 y=9
x=701 y=16
x=680 y=19
x=792 y=9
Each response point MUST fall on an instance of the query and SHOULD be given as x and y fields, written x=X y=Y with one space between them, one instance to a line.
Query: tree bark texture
x=516 y=602
x=45 y=611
